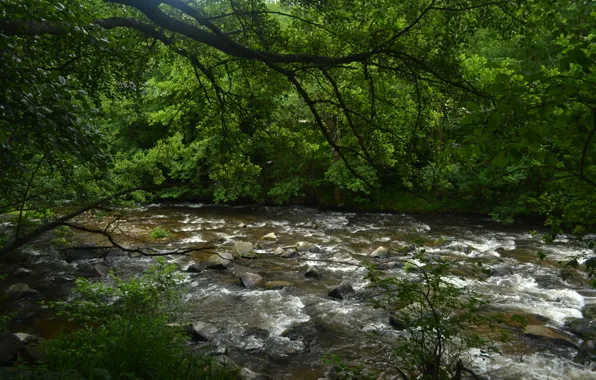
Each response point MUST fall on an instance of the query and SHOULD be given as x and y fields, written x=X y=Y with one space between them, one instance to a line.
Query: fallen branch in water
x=141 y=251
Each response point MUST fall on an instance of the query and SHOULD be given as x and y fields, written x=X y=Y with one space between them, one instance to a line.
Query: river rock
x=243 y=249
x=9 y=348
x=18 y=291
x=196 y=267
x=278 y=251
x=500 y=271
x=342 y=291
x=277 y=284
x=584 y=328
x=586 y=352
x=202 y=331
x=397 y=323
x=33 y=354
x=219 y=260
x=380 y=253
x=589 y=311
x=22 y=272
x=290 y=253
x=91 y=270
x=543 y=332
x=225 y=362
x=270 y=236
x=312 y=272
x=250 y=280
x=242 y=225
x=304 y=246
x=27 y=338
x=247 y=374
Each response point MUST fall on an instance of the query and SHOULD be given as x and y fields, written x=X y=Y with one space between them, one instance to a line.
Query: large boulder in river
x=250 y=280
x=342 y=291
x=9 y=348
x=18 y=291
x=219 y=260
x=584 y=328
x=247 y=374
x=380 y=253
x=243 y=249
x=545 y=333
x=202 y=331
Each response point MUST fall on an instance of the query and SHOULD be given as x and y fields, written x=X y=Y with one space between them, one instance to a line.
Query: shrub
x=440 y=319
x=160 y=233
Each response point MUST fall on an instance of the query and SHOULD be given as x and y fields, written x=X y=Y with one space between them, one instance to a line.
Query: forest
x=462 y=112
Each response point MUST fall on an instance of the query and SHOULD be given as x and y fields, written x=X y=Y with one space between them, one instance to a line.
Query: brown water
x=288 y=332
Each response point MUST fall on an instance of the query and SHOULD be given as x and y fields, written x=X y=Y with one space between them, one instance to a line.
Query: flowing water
x=287 y=332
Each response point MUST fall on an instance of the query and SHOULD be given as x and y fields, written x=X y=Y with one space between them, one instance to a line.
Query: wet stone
x=278 y=251
x=196 y=267
x=543 y=332
x=584 y=328
x=250 y=280
x=9 y=348
x=28 y=338
x=290 y=253
x=277 y=284
x=342 y=291
x=18 y=291
x=202 y=331
x=304 y=246
x=91 y=270
x=380 y=253
x=219 y=261
x=243 y=249
x=270 y=236
x=586 y=352
x=23 y=272
x=312 y=272
x=247 y=374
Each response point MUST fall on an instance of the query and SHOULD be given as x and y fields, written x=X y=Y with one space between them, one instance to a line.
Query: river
x=287 y=332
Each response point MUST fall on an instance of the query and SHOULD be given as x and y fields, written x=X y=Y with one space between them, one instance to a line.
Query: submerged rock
x=312 y=272
x=342 y=291
x=219 y=261
x=543 y=332
x=243 y=249
x=22 y=272
x=277 y=284
x=202 y=331
x=18 y=291
x=380 y=253
x=9 y=348
x=247 y=374
x=250 y=280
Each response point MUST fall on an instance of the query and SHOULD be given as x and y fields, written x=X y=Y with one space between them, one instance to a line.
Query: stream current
x=287 y=332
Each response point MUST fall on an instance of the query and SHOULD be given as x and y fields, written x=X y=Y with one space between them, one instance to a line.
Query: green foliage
x=160 y=233
x=442 y=318
x=155 y=293
x=136 y=347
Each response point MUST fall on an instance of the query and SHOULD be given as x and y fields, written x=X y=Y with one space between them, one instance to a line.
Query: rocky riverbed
x=284 y=288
